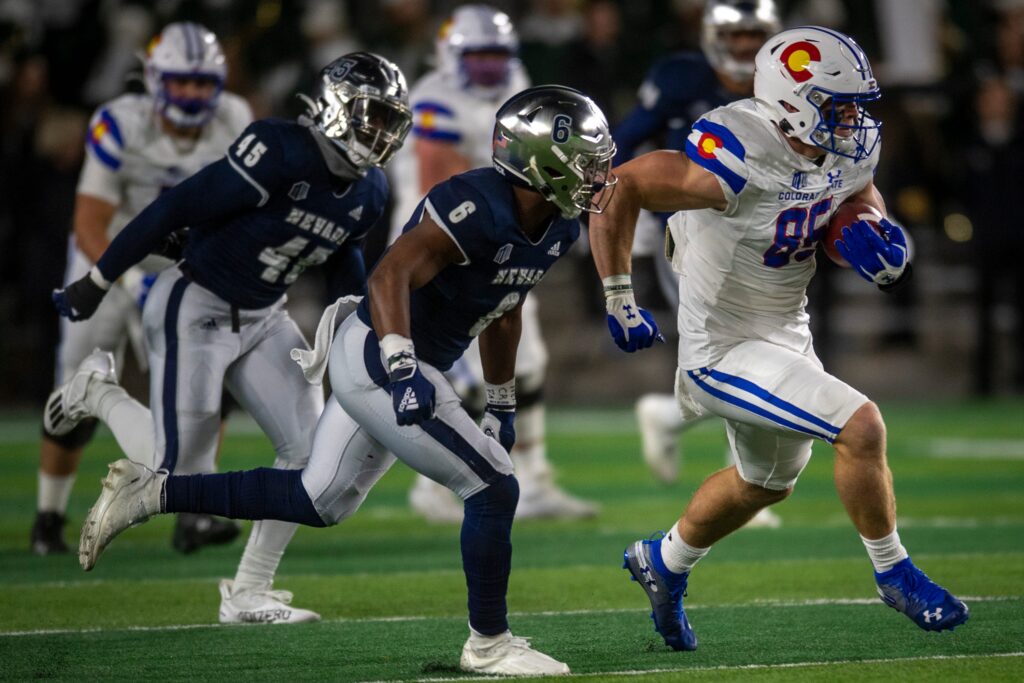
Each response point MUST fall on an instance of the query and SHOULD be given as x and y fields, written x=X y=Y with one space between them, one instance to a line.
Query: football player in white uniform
x=756 y=187
x=453 y=109
x=137 y=147
x=678 y=90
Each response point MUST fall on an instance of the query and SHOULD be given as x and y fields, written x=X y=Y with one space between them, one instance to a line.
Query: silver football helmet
x=362 y=106
x=556 y=140
x=724 y=17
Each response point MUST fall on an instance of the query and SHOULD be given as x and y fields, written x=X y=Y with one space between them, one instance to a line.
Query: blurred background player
x=453 y=112
x=138 y=146
x=287 y=196
x=746 y=352
x=461 y=270
x=677 y=91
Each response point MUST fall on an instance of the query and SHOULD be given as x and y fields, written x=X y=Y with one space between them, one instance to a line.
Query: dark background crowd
x=951 y=71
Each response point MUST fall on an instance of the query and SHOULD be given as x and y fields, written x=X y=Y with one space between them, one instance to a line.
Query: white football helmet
x=477 y=28
x=807 y=76
x=722 y=17
x=185 y=50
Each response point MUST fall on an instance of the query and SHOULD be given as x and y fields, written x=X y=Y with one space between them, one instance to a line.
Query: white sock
x=678 y=555
x=54 y=492
x=263 y=553
x=886 y=551
x=130 y=421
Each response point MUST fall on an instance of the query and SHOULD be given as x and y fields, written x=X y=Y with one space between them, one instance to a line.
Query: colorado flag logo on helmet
x=797 y=57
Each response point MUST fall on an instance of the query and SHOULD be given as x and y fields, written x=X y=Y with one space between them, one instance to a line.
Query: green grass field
x=796 y=603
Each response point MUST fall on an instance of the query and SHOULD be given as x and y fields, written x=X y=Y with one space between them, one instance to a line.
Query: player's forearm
x=92 y=216
x=611 y=232
x=388 y=289
x=499 y=344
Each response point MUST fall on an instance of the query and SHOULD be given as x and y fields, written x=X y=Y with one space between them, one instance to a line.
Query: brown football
x=847 y=213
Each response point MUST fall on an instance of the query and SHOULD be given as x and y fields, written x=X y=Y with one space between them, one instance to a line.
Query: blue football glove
x=80 y=299
x=499 y=423
x=412 y=394
x=878 y=259
x=632 y=327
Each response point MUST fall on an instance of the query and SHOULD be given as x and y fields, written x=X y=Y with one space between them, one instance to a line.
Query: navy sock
x=487 y=553
x=263 y=493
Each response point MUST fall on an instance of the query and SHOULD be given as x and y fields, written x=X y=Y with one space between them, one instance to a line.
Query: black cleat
x=192 y=531
x=48 y=534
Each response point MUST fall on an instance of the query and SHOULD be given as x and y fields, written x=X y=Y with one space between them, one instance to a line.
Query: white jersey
x=445 y=111
x=744 y=271
x=131 y=160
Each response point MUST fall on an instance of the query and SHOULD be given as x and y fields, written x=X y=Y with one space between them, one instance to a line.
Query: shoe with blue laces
x=909 y=590
x=664 y=589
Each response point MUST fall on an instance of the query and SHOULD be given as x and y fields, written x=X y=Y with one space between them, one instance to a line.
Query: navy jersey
x=259 y=217
x=500 y=264
x=677 y=91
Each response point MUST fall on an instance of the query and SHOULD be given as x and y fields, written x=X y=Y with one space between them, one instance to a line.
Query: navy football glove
x=80 y=299
x=880 y=259
x=499 y=423
x=412 y=393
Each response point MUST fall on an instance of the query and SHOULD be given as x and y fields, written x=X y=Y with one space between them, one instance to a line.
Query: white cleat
x=544 y=500
x=434 y=502
x=131 y=495
x=260 y=606
x=65 y=407
x=660 y=425
x=507 y=655
x=764 y=519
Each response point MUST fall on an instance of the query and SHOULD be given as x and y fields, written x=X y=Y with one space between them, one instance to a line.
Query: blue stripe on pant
x=768 y=397
x=170 y=386
x=757 y=410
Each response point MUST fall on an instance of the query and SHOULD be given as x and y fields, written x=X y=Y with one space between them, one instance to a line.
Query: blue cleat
x=664 y=589
x=909 y=590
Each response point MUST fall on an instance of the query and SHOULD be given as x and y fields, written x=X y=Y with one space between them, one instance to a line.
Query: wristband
x=501 y=395
x=97 y=277
x=398 y=350
x=617 y=284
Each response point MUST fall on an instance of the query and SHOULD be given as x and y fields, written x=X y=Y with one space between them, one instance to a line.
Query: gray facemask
x=335 y=159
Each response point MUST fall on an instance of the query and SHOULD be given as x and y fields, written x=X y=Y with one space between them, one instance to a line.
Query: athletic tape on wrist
x=501 y=395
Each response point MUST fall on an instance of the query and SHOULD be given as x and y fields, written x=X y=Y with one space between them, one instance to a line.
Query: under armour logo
x=929 y=616
x=649 y=578
x=628 y=308
x=408 y=401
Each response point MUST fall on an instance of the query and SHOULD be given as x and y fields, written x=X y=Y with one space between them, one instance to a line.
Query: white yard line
x=782 y=604
x=739 y=667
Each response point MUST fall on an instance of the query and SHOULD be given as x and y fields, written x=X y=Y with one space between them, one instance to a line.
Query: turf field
x=795 y=603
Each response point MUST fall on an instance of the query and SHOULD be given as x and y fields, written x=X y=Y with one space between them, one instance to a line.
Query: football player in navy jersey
x=474 y=247
x=288 y=195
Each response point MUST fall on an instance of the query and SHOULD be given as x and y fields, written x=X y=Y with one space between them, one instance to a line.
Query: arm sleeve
x=464 y=214
x=214 y=192
x=346 y=271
